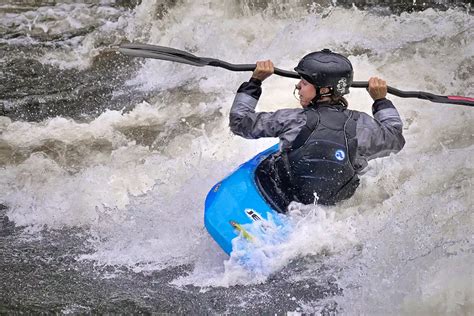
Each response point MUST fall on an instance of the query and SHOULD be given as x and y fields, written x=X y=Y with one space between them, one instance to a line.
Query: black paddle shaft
x=180 y=56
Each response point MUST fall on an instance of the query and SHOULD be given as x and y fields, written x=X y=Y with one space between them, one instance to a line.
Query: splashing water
x=133 y=178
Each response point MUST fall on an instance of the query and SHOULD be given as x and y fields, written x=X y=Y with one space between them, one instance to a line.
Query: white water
x=404 y=240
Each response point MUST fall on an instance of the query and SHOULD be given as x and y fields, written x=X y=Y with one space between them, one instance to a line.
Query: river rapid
x=106 y=160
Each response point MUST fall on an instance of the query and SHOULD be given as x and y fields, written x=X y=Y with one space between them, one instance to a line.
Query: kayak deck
x=235 y=202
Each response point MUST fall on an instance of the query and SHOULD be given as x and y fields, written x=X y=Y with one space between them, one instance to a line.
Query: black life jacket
x=321 y=160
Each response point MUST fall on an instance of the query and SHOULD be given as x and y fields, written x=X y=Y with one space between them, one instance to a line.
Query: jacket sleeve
x=245 y=122
x=381 y=135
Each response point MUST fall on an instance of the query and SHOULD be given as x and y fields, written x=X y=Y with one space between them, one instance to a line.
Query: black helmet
x=327 y=69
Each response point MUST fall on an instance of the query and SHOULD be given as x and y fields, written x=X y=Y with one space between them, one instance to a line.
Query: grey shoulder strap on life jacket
x=355 y=115
x=312 y=121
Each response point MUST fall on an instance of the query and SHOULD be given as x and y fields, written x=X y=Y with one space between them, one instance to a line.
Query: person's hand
x=377 y=88
x=263 y=70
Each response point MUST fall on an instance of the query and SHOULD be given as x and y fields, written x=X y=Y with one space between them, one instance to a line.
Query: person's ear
x=324 y=90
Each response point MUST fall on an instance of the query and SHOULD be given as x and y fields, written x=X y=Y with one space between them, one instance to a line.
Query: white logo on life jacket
x=340 y=154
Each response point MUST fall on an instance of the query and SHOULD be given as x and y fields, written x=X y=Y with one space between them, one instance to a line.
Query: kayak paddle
x=180 y=56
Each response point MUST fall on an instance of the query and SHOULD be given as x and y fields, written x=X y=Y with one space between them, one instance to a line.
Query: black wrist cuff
x=258 y=82
x=381 y=104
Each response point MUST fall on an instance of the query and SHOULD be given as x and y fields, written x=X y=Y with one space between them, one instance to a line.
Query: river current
x=106 y=160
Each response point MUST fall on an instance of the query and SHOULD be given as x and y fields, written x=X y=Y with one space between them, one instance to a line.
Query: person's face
x=306 y=92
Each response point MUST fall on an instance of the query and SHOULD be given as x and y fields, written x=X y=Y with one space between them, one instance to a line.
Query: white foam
x=309 y=230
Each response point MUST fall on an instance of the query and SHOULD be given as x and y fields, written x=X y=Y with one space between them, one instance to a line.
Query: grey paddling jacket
x=377 y=136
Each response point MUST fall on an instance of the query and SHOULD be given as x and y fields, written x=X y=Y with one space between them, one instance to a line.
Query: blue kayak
x=236 y=202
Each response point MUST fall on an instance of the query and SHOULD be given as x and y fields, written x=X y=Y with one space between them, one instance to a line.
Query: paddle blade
x=464 y=100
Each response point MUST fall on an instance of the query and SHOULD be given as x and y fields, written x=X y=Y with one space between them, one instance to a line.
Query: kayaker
x=324 y=146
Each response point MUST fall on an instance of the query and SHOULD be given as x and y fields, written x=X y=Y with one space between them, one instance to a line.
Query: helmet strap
x=319 y=95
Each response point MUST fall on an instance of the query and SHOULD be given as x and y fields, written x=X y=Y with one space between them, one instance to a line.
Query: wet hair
x=336 y=100
x=339 y=100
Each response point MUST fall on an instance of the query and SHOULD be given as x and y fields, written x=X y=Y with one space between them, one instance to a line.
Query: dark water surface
x=40 y=274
